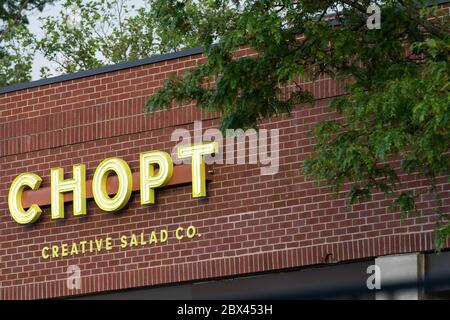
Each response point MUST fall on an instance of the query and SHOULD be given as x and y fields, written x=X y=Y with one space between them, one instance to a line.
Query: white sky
x=35 y=27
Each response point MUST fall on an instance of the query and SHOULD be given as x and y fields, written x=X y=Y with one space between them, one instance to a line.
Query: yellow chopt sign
x=150 y=179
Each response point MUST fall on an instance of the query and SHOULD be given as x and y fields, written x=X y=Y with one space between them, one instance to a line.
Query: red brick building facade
x=249 y=223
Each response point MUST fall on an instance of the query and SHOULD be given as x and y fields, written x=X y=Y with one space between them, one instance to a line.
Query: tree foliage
x=14 y=13
x=15 y=58
x=397 y=104
x=15 y=40
x=89 y=34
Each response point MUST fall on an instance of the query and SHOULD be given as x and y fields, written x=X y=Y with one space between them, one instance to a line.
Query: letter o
x=99 y=190
x=191 y=232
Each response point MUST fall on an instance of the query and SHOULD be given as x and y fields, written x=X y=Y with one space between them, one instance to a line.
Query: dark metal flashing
x=100 y=70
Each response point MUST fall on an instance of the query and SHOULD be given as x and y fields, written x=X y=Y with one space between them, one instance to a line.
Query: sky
x=36 y=27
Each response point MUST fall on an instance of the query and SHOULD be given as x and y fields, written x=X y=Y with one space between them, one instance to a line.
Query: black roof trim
x=100 y=70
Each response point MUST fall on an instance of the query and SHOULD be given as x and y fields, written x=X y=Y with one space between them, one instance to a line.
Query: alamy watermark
x=73 y=277
x=374 y=280
x=374 y=20
x=237 y=147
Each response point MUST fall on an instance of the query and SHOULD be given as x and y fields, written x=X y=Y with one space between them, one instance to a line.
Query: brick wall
x=248 y=223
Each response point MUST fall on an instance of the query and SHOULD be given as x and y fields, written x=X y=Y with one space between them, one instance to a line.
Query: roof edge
x=101 y=70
